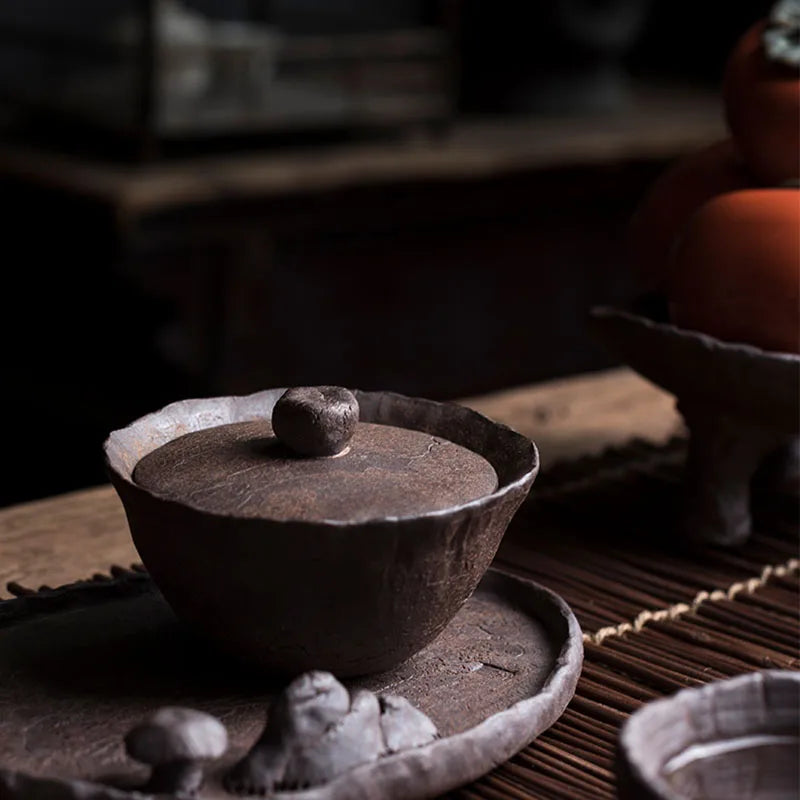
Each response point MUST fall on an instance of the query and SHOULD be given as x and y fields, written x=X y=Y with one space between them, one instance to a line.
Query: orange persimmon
x=735 y=273
x=761 y=98
x=669 y=203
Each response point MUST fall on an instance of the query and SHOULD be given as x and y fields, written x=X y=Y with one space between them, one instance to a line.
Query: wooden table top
x=62 y=539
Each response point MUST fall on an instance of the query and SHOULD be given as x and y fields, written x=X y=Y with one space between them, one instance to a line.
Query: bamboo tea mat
x=656 y=617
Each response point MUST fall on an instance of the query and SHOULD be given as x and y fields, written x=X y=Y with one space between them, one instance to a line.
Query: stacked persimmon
x=719 y=232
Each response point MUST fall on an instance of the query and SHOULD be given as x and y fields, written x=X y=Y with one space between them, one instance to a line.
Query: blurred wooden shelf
x=659 y=125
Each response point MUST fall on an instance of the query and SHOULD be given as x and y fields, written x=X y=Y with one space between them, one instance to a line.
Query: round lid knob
x=315 y=420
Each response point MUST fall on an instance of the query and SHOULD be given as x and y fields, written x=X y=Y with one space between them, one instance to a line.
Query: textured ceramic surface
x=243 y=470
x=731 y=740
x=351 y=598
x=738 y=380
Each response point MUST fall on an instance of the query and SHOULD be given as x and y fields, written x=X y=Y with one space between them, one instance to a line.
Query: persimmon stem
x=723 y=457
x=781 y=36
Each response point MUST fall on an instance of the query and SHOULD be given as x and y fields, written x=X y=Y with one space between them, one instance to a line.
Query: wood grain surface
x=70 y=537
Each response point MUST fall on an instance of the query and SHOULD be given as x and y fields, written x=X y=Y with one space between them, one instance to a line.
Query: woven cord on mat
x=678 y=610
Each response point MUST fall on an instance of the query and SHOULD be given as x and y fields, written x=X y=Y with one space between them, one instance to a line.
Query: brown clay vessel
x=348 y=596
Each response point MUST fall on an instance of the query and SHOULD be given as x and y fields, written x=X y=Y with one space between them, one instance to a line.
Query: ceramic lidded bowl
x=344 y=590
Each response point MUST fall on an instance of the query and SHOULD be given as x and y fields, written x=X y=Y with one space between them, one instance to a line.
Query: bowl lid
x=313 y=460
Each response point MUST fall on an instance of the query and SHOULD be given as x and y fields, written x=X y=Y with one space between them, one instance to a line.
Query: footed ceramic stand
x=740 y=404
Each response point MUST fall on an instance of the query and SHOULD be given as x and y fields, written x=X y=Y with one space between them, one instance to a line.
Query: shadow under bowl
x=349 y=597
x=730 y=740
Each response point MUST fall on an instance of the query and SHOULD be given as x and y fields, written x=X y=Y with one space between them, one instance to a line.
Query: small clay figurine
x=403 y=726
x=316 y=731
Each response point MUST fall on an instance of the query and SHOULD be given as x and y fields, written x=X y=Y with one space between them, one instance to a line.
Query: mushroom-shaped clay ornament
x=175 y=742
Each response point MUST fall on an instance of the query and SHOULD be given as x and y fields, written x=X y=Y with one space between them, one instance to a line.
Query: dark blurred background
x=209 y=197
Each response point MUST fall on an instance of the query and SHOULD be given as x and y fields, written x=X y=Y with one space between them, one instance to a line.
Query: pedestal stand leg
x=724 y=454
x=780 y=471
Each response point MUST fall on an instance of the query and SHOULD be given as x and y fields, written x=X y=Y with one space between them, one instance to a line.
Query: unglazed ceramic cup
x=292 y=595
x=734 y=739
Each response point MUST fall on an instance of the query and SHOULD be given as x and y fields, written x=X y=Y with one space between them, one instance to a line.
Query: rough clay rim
x=531 y=457
x=735 y=349
x=628 y=751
